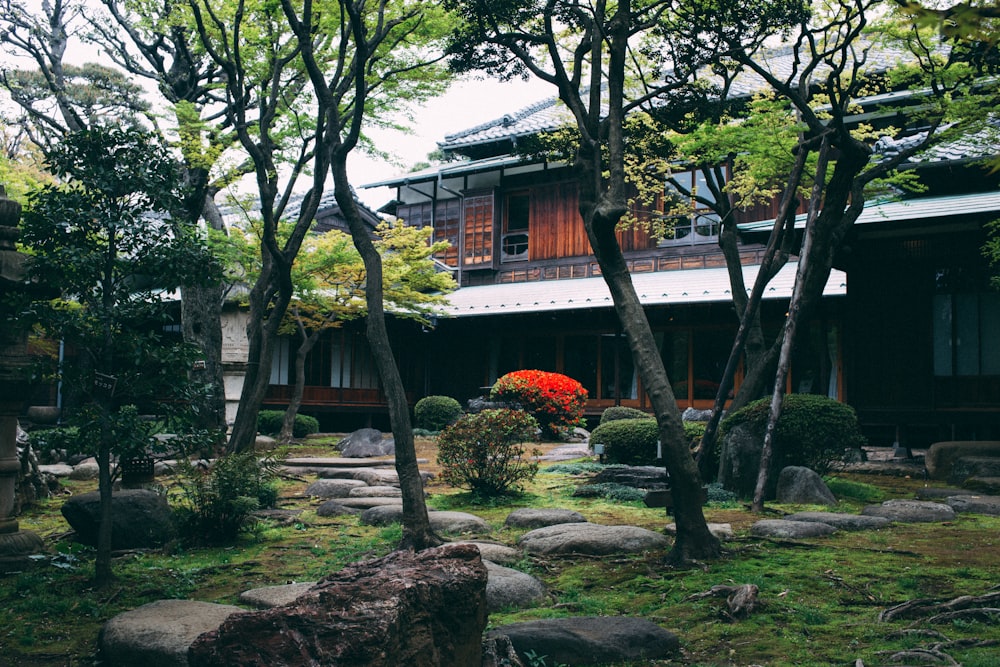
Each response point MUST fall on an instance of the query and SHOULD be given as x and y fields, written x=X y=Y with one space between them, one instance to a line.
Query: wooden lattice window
x=478 y=215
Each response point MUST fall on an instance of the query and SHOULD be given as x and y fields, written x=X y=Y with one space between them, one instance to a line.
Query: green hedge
x=628 y=441
x=269 y=423
x=433 y=413
x=617 y=412
x=813 y=431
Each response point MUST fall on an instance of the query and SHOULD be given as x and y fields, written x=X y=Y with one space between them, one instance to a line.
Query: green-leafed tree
x=303 y=82
x=606 y=60
x=111 y=237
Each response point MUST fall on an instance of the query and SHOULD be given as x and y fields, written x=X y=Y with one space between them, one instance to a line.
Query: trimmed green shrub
x=575 y=468
x=610 y=491
x=813 y=431
x=433 y=413
x=215 y=505
x=556 y=401
x=694 y=431
x=484 y=452
x=269 y=423
x=622 y=412
x=628 y=441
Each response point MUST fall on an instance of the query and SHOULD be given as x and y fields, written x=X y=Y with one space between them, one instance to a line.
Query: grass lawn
x=821 y=598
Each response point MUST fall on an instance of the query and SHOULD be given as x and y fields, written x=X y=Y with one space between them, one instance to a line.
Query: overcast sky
x=466 y=104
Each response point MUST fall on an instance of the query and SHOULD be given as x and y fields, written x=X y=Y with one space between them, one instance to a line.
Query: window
x=701 y=225
x=966 y=325
x=445 y=217
x=478 y=216
x=514 y=241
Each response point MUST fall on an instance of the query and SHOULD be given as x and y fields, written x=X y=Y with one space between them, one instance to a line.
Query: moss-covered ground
x=821 y=598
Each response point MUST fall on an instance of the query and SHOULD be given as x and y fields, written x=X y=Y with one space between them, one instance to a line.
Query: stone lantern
x=15 y=364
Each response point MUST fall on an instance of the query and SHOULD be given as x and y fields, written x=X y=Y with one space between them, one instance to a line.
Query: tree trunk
x=417 y=533
x=308 y=342
x=201 y=317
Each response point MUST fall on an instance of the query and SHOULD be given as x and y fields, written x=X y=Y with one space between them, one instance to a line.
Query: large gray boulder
x=508 y=588
x=528 y=517
x=989 y=505
x=275 y=596
x=332 y=488
x=140 y=518
x=966 y=467
x=159 y=634
x=797 y=484
x=494 y=552
x=591 y=539
x=740 y=462
x=783 y=529
x=911 y=511
x=841 y=521
x=941 y=456
x=366 y=443
x=407 y=608
x=333 y=507
x=590 y=640
x=445 y=522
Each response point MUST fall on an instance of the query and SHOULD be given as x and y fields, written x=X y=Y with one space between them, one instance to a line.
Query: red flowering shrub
x=483 y=452
x=555 y=400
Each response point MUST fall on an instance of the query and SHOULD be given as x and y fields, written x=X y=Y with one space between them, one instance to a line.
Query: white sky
x=466 y=104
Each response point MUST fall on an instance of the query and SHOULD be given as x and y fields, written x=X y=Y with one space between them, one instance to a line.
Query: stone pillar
x=15 y=363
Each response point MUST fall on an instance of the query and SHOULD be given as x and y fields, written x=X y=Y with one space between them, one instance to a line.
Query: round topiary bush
x=484 y=452
x=556 y=401
x=628 y=441
x=622 y=412
x=433 y=413
x=269 y=423
x=812 y=431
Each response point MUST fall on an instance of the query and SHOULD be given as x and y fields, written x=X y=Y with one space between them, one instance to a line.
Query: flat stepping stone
x=591 y=539
x=989 y=505
x=56 y=469
x=590 y=640
x=445 y=522
x=339 y=462
x=990 y=485
x=341 y=473
x=368 y=503
x=528 y=517
x=941 y=492
x=376 y=492
x=508 y=588
x=842 y=521
x=497 y=553
x=274 y=596
x=566 y=453
x=334 y=507
x=721 y=531
x=159 y=634
x=911 y=511
x=332 y=488
x=790 y=529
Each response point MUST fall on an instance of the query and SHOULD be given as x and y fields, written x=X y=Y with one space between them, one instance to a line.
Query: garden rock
x=567 y=453
x=974 y=466
x=797 y=484
x=56 y=469
x=376 y=492
x=941 y=456
x=333 y=507
x=84 y=470
x=693 y=415
x=275 y=596
x=528 y=517
x=408 y=608
x=842 y=521
x=591 y=539
x=911 y=511
x=790 y=529
x=721 y=531
x=989 y=485
x=989 y=505
x=365 y=443
x=508 y=588
x=445 y=522
x=494 y=552
x=499 y=652
x=264 y=443
x=741 y=461
x=941 y=492
x=332 y=488
x=368 y=503
x=140 y=518
x=590 y=640
x=159 y=634
x=640 y=477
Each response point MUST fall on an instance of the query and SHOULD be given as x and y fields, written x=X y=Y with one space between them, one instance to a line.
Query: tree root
x=741 y=600
x=936 y=608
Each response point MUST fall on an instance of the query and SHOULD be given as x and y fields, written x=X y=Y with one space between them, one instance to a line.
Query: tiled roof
x=550 y=115
x=920 y=208
x=654 y=289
